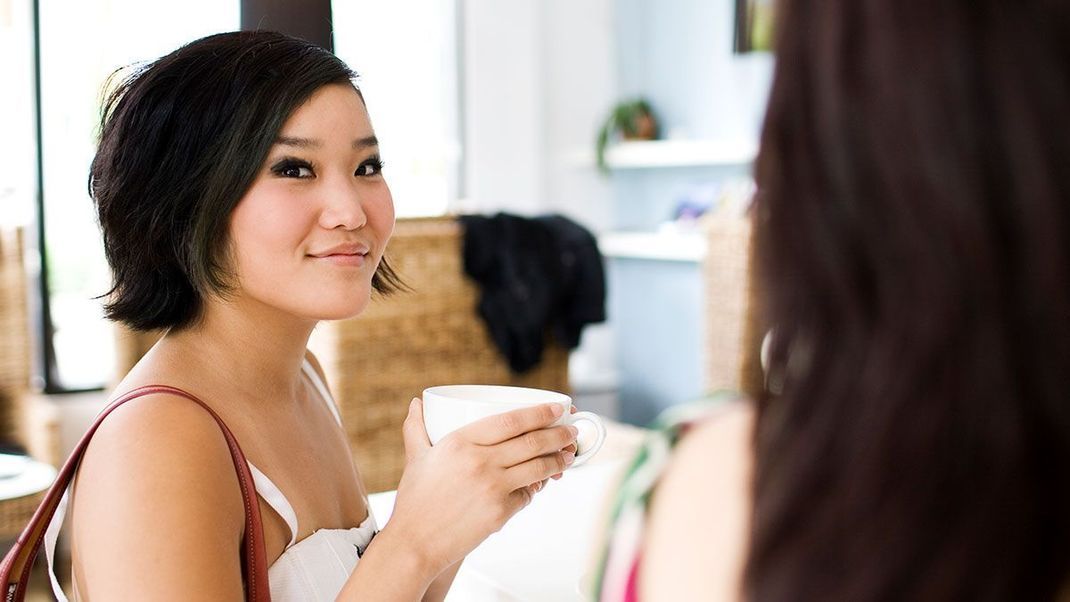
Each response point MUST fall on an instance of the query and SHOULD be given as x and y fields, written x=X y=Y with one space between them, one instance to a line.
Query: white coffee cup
x=449 y=407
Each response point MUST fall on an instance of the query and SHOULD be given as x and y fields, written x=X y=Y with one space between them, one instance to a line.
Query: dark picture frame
x=754 y=25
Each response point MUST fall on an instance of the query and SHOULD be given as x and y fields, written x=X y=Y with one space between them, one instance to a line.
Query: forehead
x=333 y=109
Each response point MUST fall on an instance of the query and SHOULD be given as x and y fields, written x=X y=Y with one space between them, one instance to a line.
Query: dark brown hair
x=181 y=141
x=913 y=231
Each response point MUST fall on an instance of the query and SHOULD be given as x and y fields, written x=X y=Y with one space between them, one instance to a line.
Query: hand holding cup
x=448 y=408
x=457 y=492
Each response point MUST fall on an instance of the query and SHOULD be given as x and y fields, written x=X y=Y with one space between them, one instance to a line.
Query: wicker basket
x=16 y=513
x=15 y=347
x=733 y=326
x=405 y=343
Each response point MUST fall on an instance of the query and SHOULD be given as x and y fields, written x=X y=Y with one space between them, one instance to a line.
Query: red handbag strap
x=15 y=569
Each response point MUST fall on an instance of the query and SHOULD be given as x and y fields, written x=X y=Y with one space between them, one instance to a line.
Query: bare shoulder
x=157 y=509
x=725 y=436
x=697 y=532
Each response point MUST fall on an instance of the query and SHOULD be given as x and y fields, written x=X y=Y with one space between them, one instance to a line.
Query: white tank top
x=313 y=569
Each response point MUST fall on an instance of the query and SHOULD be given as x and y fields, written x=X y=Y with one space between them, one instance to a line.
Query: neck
x=255 y=349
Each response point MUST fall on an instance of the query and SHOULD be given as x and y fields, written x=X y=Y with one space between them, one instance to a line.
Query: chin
x=345 y=308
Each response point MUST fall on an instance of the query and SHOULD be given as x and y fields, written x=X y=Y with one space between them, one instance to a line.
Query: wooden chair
x=17 y=423
x=15 y=335
x=734 y=330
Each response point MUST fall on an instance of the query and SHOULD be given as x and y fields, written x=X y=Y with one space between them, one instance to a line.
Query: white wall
x=579 y=87
x=502 y=106
x=679 y=53
x=540 y=76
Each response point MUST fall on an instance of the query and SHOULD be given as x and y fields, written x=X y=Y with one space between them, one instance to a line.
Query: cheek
x=381 y=214
x=267 y=225
x=265 y=237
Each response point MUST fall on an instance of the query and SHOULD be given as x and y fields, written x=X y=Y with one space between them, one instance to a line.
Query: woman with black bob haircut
x=242 y=200
x=182 y=140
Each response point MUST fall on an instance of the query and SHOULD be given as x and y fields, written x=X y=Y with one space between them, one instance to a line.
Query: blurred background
x=636 y=119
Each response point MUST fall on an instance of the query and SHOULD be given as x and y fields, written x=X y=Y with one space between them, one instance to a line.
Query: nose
x=342 y=206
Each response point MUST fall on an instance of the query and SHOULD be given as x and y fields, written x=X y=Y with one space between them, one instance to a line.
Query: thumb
x=414 y=432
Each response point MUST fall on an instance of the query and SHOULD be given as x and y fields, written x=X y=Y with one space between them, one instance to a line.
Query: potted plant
x=633 y=120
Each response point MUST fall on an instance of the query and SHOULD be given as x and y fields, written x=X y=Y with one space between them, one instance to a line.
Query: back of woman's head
x=181 y=141
x=913 y=224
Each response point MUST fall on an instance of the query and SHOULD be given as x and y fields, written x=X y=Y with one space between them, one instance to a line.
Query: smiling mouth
x=349 y=253
x=342 y=259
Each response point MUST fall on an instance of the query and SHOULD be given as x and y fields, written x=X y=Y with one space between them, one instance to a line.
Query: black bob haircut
x=181 y=140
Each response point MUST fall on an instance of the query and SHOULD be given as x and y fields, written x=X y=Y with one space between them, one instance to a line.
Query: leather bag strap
x=15 y=568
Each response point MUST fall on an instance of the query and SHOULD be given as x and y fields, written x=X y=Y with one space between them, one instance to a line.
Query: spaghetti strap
x=51 y=537
x=266 y=488
x=274 y=497
x=321 y=387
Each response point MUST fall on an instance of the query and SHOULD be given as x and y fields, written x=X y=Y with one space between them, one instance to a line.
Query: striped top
x=618 y=568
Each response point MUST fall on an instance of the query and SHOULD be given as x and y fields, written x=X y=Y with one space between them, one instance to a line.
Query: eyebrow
x=358 y=144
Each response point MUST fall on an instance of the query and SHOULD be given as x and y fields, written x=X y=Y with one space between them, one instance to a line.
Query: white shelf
x=660 y=246
x=680 y=153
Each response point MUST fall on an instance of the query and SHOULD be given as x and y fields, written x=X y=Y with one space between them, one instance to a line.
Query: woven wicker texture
x=42 y=434
x=14 y=338
x=733 y=329
x=407 y=342
x=130 y=346
x=16 y=513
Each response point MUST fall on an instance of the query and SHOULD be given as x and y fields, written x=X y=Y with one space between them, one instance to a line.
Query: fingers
x=413 y=431
x=503 y=427
x=536 y=487
x=536 y=443
x=539 y=469
x=521 y=497
x=571 y=448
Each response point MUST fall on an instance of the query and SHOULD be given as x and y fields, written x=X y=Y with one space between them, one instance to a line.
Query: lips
x=355 y=248
x=344 y=254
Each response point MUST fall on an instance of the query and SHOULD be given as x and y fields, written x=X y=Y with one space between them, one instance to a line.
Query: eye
x=371 y=167
x=293 y=168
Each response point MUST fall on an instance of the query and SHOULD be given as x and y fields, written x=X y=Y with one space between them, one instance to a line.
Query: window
x=81 y=44
x=18 y=153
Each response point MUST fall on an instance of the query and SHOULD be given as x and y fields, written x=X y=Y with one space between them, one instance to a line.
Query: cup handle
x=600 y=429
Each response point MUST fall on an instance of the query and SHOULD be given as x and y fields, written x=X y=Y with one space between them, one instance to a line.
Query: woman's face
x=308 y=235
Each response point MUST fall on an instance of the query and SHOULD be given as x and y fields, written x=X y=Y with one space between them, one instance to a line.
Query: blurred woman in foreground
x=913 y=244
